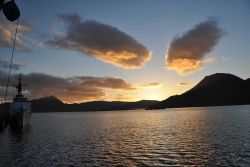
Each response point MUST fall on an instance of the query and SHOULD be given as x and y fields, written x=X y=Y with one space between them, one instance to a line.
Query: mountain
x=52 y=104
x=214 y=90
x=47 y=104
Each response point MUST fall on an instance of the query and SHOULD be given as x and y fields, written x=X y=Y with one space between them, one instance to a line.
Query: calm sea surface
x=212 y=136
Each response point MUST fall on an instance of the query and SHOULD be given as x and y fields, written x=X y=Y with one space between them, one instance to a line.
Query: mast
x=11 y=60
x=12 y=13
x=19 y=86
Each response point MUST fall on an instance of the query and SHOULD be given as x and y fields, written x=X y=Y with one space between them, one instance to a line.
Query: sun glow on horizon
x=158 y=95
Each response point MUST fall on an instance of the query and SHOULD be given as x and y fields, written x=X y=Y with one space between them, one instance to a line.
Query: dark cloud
x=187 y=51
x=106 y=82
x=101 y=41
x=15 y=65
x=183 y=84
x=80 y=88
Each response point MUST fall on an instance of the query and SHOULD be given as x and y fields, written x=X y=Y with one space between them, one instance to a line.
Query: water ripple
x=214 y=136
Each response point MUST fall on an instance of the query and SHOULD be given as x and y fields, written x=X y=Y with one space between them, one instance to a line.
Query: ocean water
x=208 y=136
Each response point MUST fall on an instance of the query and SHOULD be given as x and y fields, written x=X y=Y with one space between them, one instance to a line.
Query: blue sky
x=154 y=24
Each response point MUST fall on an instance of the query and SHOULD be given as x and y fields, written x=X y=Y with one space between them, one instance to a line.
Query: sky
x=124 y=50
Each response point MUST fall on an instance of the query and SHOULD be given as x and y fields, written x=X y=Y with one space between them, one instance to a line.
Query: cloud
x=106 y=82
x=72 y=89
x=7 y=31
x=187 y=51
x=183 y=84
x=209 y=60
x=123 y=97
x=5 y=37
x=151 y=85
x=101 y=41
x=15 y=65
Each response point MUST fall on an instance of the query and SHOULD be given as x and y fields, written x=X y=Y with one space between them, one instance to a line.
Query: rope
x=11 y=60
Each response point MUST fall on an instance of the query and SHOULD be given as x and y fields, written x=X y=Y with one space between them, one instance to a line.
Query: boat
x=19 y=112
x=20 y=108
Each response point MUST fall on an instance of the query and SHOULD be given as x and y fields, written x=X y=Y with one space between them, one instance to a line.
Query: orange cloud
x=186 y=52
x=101 y=41
x=184 y=66
x=151 y=85
x=123 y=97
x=124 y=59
x=7 y=36
x=70 y=90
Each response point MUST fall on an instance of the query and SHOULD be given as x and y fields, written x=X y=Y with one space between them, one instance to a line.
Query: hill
x=214 y=90
x=52 y=104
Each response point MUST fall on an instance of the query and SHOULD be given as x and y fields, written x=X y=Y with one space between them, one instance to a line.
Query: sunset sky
x=124 y=50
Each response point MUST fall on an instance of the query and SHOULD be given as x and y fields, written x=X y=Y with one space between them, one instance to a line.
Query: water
x=212 y=136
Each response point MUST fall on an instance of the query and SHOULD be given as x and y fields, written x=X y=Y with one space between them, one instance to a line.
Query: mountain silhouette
x=215 y=90
x=52 y=104
x=47 y=104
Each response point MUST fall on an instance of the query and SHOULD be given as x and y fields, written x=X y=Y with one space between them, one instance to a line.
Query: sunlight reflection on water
x=210 y=136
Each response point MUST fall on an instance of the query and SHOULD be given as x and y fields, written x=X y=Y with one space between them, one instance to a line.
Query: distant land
x=52 y=104
x=219 y=89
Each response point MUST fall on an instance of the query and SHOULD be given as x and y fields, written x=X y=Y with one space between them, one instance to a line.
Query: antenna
x=19 y=86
